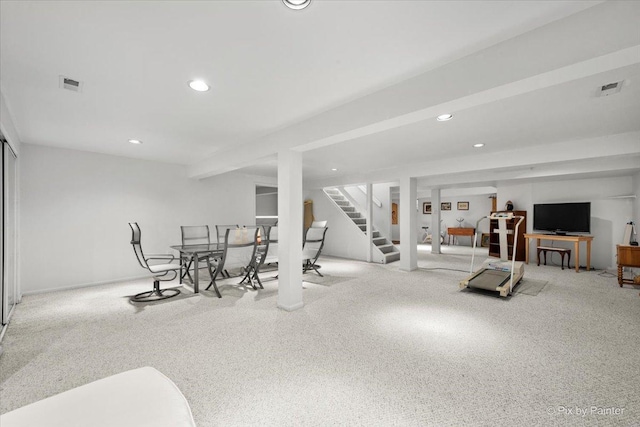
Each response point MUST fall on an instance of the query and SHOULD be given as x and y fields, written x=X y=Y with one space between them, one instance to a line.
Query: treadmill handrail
x=503 y=216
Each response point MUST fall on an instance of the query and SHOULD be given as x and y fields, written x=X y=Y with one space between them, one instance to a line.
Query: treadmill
x=497 y=275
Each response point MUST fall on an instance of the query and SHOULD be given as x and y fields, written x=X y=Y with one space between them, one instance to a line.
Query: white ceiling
x=274 y=71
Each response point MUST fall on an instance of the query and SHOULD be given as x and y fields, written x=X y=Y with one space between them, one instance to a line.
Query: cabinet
x=628 y=256
x=494 y=238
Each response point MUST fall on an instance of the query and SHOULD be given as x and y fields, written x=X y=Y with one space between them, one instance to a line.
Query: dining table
x=196 y=252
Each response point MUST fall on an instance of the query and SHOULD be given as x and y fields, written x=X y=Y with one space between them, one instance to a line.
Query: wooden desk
x=460 y=231
x=628 y=256
x=553 y=237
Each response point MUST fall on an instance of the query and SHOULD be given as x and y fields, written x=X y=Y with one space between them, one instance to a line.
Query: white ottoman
x=140 y=397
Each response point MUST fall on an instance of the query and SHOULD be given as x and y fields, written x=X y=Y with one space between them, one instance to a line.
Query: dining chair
x=160 y=271
x=313 y=244
x=221 y=231
x=268 y=251
x=319 y=224
x=239 y=253
x=193 y=235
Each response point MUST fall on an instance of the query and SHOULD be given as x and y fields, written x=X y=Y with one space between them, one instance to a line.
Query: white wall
x=479 y=206
x=267 y=204
x=7 y=126
x=635 y=191
x=608 y=215
x=76 y=206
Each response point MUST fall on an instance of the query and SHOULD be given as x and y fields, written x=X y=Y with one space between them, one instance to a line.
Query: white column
x=369 y=222
x=290 y=213
x=436 y=225
x=408 y=224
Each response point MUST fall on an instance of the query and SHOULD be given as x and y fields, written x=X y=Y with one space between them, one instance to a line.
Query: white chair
x=160 y=271
x=240 y=245
x=268 y=254
x=313 y=244
x=319 y=224
x=140 y=397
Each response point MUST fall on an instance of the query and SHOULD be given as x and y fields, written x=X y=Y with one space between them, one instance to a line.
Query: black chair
x=240 y=247
x=313 y=244
x=193 y=235
x=160 y=271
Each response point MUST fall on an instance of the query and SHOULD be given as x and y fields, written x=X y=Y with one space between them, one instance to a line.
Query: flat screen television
x=562 y=218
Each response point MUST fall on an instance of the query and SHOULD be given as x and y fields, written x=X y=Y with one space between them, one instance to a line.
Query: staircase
x=386 y=250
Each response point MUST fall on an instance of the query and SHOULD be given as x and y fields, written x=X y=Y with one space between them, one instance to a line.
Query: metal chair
x=160 y=271
x=193 y=235
x=268 y=252
x=240 y=246
x=221 y=231
x=313 y=244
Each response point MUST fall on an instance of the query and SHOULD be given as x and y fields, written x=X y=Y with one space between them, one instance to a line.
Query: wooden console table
x=554 y=237
x=628 y=256
x=460 y=231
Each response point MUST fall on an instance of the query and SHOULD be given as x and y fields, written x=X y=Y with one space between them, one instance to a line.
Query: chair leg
x=215 y=287
x=156 y=294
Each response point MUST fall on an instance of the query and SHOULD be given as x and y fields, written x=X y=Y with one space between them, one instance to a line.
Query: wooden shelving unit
x=494 y=239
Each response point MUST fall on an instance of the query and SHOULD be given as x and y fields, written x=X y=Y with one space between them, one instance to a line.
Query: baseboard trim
x=85 y=285
x=291 y=307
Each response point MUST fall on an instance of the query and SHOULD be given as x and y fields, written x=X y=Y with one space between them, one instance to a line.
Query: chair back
x=313 y=242
x=221 y=231
x=195 y=235
x=239 y=248
x=319 y=224
x=136 y=236
x=271 y=237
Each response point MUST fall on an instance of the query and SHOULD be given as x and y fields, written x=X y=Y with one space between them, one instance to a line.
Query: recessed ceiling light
x=296 y=4
x=445 y=117
x=135 y=141
x=198 y=85
x=478 y=145
x=334 y=169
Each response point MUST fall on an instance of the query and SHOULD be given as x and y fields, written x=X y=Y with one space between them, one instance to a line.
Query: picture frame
x=445 y=206
x=484 y=240
x=463 y=206
x=426 y=208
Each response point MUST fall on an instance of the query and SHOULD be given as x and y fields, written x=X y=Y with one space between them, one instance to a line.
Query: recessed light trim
x=444 y=117
x=296 y=4
x=198 y=85
x=135 y=141
x=478 y=145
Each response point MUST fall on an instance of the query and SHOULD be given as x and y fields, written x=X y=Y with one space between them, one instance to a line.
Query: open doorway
x=266 y=205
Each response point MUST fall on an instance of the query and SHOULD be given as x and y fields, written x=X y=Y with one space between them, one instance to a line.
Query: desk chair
x=160 y=271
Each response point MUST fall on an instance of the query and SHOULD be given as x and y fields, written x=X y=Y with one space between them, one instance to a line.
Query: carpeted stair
x=388 y=250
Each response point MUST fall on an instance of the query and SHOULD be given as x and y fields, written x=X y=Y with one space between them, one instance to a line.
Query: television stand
x=558 y=238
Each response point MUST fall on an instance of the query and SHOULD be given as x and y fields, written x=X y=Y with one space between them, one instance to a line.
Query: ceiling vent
x=70 y=84
x=610 y=88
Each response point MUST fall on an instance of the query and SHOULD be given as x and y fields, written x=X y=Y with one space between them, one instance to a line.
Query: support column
x=436 y=225
x=408 y=224
x=290 y=213
x=369 y=222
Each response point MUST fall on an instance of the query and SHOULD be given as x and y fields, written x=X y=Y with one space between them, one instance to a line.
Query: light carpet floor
x=372 y=346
